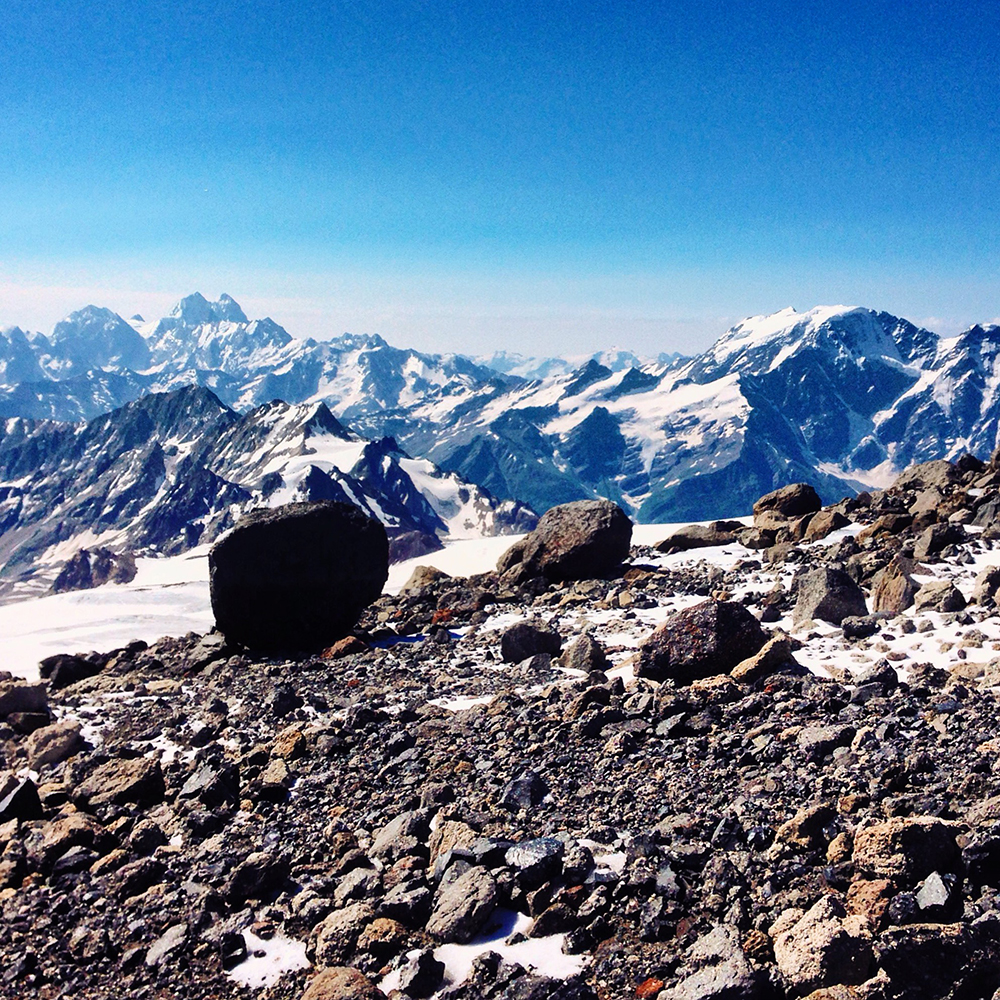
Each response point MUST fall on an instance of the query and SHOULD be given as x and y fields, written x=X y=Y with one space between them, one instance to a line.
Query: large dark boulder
x=297 y=577
x=584 y=540
x=795 y=500
x=710 y=638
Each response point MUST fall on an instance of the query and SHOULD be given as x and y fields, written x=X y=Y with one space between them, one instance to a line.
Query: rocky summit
x=760 y=761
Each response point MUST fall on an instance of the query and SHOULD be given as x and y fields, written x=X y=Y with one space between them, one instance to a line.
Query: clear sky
x=545 y=177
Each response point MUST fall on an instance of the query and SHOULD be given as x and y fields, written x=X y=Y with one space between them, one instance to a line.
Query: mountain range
x=840 y=397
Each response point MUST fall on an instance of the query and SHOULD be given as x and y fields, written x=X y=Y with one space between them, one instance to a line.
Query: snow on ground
x=268 y=960
x=170 y=597
x=542 y=955
x=167 y=597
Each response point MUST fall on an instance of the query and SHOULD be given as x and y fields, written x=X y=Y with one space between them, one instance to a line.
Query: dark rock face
x=578 y=541
x=410 y=544
x=297 y=577
x=89 y=569
x=710 y=638
x=524 y=639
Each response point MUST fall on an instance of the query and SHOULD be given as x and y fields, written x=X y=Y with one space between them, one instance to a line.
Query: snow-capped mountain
x=173 y=470
x=841 y=397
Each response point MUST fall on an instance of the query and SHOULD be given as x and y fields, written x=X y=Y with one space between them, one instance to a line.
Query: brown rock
x=290 y=744
x=822 y=523
x=773 y=655
x=421 y=577
x=893 y=589
x=806 y=827
x=19 y=696
x=334 y=938
x=825 y=946
x=347 y=646
x=119 y=782
x=789 y=501
x=869 y=898
x=906 y=850
x=341 y=984
x=54 y=744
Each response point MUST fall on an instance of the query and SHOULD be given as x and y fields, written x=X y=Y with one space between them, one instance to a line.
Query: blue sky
x=542 y=177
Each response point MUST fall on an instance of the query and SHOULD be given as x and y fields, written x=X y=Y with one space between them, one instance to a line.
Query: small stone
x=169 y=941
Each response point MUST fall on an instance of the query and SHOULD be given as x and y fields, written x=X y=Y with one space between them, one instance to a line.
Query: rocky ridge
x=817 y=819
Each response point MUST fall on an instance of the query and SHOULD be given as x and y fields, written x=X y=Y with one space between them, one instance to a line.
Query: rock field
x=757 y=761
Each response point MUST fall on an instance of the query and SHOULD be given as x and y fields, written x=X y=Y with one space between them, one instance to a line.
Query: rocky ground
x=759 y=761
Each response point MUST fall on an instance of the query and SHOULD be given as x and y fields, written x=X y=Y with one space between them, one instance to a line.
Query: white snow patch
x=543 y=956
x=267 y=961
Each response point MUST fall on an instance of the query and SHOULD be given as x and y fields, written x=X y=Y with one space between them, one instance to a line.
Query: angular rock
x=170 y=940
x=422 y=975
x=927 y=474
x=64 y=669
x=463 y=906
x=710 y=638
x=987 y=585
x=536 y=861
x=829 y=594
x=584 y=653
x=724 y=972
x=822 y=523
x=422 y=577
x=19 y=696
x=411 y=544
x=297 y=577
x=775 y=654
x=697 y=536
x=138 y=781
x=825 y=946
x=528 y=638
x=906 y=849
x=789 y=501
x=939 y=595
x=18 y=798
x=584 y=540
x=526 y=790
x=893 y=588
x=405 y=835
x=933 y=539
x=256 y=877
x=54 y=744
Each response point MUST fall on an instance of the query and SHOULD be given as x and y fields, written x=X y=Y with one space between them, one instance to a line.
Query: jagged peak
x=322 y=421
x=196 y=310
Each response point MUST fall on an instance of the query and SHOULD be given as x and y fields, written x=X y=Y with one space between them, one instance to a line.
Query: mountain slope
x=173 y=470
x=841 y=397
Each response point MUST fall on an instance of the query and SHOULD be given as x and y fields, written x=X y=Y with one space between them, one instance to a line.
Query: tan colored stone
x=775 y=653
x=341 y=984
x=448 y=834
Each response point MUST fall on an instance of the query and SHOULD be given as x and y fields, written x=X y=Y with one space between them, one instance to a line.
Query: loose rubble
x=689 y=777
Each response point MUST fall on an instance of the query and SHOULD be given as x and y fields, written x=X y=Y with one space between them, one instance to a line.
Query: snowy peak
x=94 y=337
x=196 y=310
x=761 y=343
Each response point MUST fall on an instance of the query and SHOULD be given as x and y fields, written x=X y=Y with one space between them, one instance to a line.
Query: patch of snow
x=268 y=960
x=543 y=956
